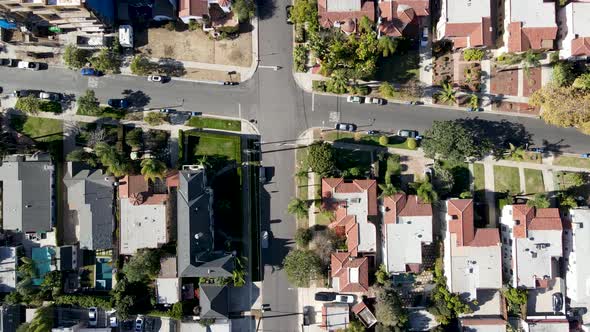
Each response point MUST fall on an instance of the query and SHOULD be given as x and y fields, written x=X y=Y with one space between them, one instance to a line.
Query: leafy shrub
x=412 y=143
x=193 y=25
x=383 y=140
x=388 y=91
x=170 y=26
x=300 y=57
x=303 y=237
x=300 y=33
x=362 y=90
x=86 y=301
x=319 y=86
x=473 y=54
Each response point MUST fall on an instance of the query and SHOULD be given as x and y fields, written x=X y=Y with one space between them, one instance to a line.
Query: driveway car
x=89 y=72
x=139 y=321
x=92 y=316
x=28 y=65
x=355 y=99
x=424 y=37
x=118 y=103
x=408 y=133
x=557 y=302
x=155 y=78
x=325 y=296
x=344 y=298
x=288 y=11
x=50 y=96
x=345 y=126
x=375 y=101
x=265 y=239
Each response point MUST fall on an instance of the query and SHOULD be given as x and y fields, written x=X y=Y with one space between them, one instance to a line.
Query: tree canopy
x=301 y=266
x=75 y=57
x=141 y=65
x=106 y=61
x=562 y=106
x=244 y=9
x=304 y=11
x=298 y=208
x=88 y=104
x=153 y=169
x=320 y=158
x=453 y=141
x=389 y=310
x=540 y=201
x=143 y=266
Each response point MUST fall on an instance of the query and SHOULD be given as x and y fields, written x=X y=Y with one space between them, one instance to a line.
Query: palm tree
x=106 y=153
x=447 y=94
x=388 y=190
x=298 y=207
x=338 y=81
x=427 y=193
x=539 y=201
x=118 y=167
x=153 y=169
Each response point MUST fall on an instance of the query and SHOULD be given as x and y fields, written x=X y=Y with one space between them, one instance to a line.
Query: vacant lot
x=196 y=46
x=533 y=181
x=506 y=179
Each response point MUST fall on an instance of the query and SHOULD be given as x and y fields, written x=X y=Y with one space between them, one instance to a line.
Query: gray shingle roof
x=214 y=301
x=27 y=184
x=195 y=229
x=90 y=196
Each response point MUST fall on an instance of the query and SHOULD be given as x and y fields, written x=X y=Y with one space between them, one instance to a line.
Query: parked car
x=50 y=96
x=230 y=83
x=557 y=302
x=118 y=103
x=28 y=65
x=155 y=78
x=372 y=132
x=355 y=99
x=325 y=296
x=474 y=109
x=166 y=110
x=89 y=72
x=408 y=133
x=92 y=316
x=585 y=155
x=539 y=150
x=139 y=321
x=424 y=37
x=113 y=321
x=196 y=113
x=416 y=102
x=288 y=11
x=8 y=62
x=26 y=93
x=345 y=126
x=344 y=298
x=376 y=101
x=264 y=239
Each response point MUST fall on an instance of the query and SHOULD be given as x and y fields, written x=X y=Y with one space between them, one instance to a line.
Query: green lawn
x=479 y=180
x=572 y=161
x=211 y=144
x=215 y=123
x=39 y=129
x=399 y=67
x=346 y=159
x=566 y=180
x=506 y=179
x=346 y=137
x=534 y=181
x=302 y=181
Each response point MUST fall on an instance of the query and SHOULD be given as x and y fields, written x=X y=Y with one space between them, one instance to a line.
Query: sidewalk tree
x=88 y=104
x=562 y=106
x=454 y=142
x=540 y=201
x=43 y=320
x=301 y=266
x=74 y=57
x=244 y=9
x=106 y=61
x=303 y=236
x=320 y=158
x=298 y=208
x=28 y=104
x=141 y=65
x=563 y=73
x=153 y=169
x=304 y=11
x=337 y=83
x=389 y=310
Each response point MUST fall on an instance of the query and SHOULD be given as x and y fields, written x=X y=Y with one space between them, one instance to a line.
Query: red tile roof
x=405 y=206
x=581 y=46
x=416 y=208
x=524 y=214
x=522 y=39
x=359 y=307
x=420 y=7
x=132 y=184
x=193 y=8
x=395 y=18
x=341 y=263
x=486 y=237
x=338 y=185
x=461 y=223
x=328 y=18
x=470 y=34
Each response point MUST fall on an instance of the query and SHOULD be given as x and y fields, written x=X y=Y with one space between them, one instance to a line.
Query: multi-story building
x=574 y=27
x=466 y=23
x=529 y=24
x=576 y=253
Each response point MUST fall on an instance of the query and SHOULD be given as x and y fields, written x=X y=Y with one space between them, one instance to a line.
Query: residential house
x=344 y=14
x=574 y=28
x=213 y=13
x=406 y=229
x=29 y=208
x=8 y=265
x=472 y=262
x=545 y=325
x=399 y=18
x=143 y=211
x=529 y=24
x=576 y=253
x=195 y=246
x=214 y=301
x=89 y=16
x=335 y=316
x=364 y=314
x=90 y=201
x=466 y=23
x=11 y=316
x=349 y=274
x=167 y=283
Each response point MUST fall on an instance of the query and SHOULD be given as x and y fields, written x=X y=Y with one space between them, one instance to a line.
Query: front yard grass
x=533 y=181
x=400 y=67
x=479 y=180
x=361 y=138
x=572 y=161
x=215 y=123
x=212 y=144
x=346 y=159
x=506 y=179
x=39 y=129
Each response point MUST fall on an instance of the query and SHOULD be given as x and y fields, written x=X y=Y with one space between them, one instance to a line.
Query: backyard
x=506 y=179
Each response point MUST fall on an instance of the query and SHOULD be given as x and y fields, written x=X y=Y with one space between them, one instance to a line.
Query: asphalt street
x=283 y=111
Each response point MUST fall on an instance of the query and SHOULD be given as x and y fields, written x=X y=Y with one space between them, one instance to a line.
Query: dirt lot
x=196 y=46
x=210 y=75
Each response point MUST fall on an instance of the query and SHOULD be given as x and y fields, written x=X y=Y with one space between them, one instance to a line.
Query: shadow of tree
x=266 y=9
x=137 y=99
x=171 y=67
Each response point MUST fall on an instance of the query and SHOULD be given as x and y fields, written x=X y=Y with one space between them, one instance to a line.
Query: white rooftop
x=580 y=18
x=7 y=269
x=533 y=13
x=540 y=300
x=467 y=11
x=404 y=241
x=142 y=226
x=533 y=256
x=167 y=290
x=357 y=204
x=489 y=304
x=578 y=269
x=343 y=5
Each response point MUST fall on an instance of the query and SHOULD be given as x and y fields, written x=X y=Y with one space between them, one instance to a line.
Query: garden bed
x=361 y=138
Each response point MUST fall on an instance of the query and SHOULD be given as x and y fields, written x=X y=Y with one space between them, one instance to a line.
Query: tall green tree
x=88 y=104
x=540 y=201
x=134 y=138
x=153 y=169
x=106 y=61
x=116 y=163
x=388 y=190
x=320 y=158
x=244 y=9
x=426 y=192
x=365 y=25
x=301 y=266
x=389 y=310
x=386 y=46
x=304 y=11
x=74 y=57
x=80 y=155
x=582 y=82
x=298 y=208
x=143 y=266
x=43 y=320
x=452 y=141
x=338 y=82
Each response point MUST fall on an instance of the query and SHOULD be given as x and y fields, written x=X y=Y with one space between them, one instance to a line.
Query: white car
x=344 y=298
x=355 y=99
x=376 y=101
x=424 y=38
x=92 y=316
x=155 y=78
x=28 y=65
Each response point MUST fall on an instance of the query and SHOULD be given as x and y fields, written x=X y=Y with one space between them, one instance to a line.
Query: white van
x=126 y=35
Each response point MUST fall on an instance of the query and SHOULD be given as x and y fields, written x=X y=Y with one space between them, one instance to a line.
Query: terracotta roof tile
x=358 y=307
x=416 y=208
x=392 y=205
x=328 y=18
x=193 y=8
x=341 y=263
x=352 y=239
x=461 y=223
x=132 y=184
x=421 y=7
x=522 y=39
x=581 y=46
x=486 y=237
x=470 y=34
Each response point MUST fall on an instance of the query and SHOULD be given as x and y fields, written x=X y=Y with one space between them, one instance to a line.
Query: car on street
x=28 y=65
x=325 y=296
x=474 y=109
x=557 y=302
x=355 y=99
x=230 y=83
x=26 y=93
x=166 y=110
x=265 y=239
x=50 y=96
x=118 y=103
x=344 y=298
x=375 y=101
x=288 y=11
x=8 y=62
x=196 y=113
x=92 y=316
x=89 y=72
x=155 y=78
x=539 y=150
x=372 y=132
x=416 y=102
x=585 y=155
x=408 y=133
x=424 y=37
x=139 y=321
x=345 y=126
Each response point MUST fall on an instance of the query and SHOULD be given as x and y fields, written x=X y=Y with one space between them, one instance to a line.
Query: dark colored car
x=89 y=72
x=557 y=302
x=288 y=11
x=307 y=315
x=26 y=93
x=5 y=62
x=118 y=103
x=539 y=150
x=196 y=113
x=408 y=133
x=230 y=83
x=325 y=296
x=372 y=132
x=345 y=126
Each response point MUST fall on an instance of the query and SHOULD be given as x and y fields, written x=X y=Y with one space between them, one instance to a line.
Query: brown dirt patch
x=504 y=82
x=210 y=75
x=514 y=107
x=532 y=82
x=443 y=69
